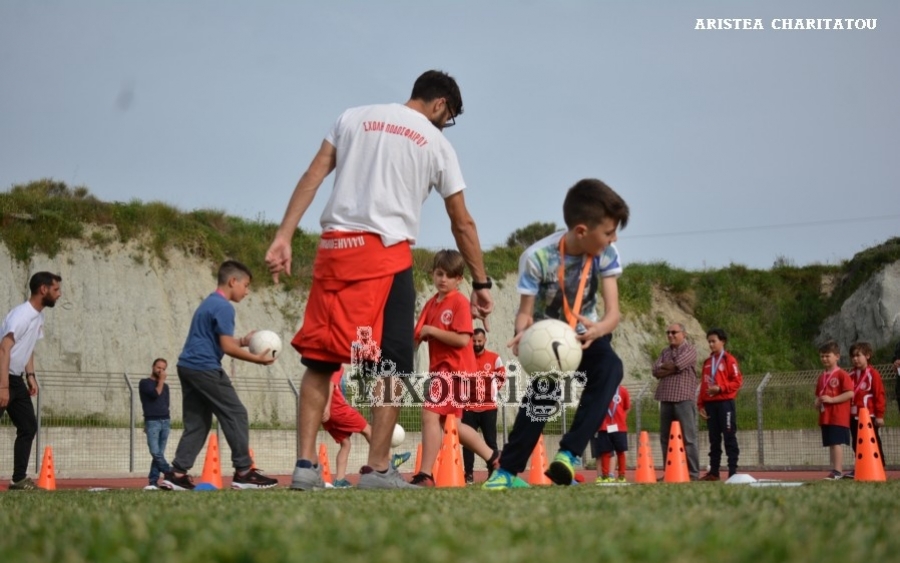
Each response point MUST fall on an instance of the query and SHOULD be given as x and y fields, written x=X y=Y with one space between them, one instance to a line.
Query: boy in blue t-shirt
x=585 y=260
x=206 y=389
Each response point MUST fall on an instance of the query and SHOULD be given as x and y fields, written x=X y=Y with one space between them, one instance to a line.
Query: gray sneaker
x=371 y=479
x=307 y=479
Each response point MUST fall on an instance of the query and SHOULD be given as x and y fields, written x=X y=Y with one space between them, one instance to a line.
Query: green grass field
x=824 y=521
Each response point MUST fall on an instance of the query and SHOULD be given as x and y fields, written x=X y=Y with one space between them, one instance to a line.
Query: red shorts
x=444 y=410
x=441 y=397
x=344 y=421
x=352 y=277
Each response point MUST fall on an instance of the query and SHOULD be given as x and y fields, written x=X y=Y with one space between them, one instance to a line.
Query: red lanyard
x=585 y=271
x=826 y=382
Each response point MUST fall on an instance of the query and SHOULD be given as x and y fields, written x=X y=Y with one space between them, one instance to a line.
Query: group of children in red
x=841 y=395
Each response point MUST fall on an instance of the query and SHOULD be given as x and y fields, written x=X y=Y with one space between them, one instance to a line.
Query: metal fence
x=94 y=423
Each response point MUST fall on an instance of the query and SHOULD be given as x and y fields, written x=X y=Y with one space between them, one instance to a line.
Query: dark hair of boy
x=233 y=269
x=862 y=347
x=451 y=261
x=830 y=347
x=590 y=201
x=719 y=332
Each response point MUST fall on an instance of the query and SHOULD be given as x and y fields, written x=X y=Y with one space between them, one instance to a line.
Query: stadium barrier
x=94 y=423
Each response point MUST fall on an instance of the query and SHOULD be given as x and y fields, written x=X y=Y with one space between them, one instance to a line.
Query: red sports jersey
x=868 y=392
x=833 y=384
x=617 y=413
x=728 y=377
x=489 y=365
x=454 y=314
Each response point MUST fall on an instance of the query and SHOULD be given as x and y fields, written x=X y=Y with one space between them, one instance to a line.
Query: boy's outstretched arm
x=524 y=319
x=609 y=288
x=234 y=347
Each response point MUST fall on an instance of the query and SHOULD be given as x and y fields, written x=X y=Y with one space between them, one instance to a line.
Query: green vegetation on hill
x=772 y=316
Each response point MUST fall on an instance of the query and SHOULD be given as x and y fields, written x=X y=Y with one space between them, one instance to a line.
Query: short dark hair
x=830 y=347
x=159 y=360
x=42 y=279
x=434 y=84
x=863 y=347
x=590 y=201
x=480 y=331
x=451 y=261
x=719 y=332
x=233 y=269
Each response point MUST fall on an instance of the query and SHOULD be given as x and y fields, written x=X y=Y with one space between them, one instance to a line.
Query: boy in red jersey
x=446 y=324
x=612 y=437
x=719 y=383
x=868 y=393
x=834 y=392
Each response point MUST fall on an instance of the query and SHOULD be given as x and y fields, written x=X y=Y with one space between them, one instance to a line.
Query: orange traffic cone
x=539 y=465
x=868 y=458
x=644 y=473
x=47 y=478
x=418 y=459
x=450 y=471
x=676 y=460
x=212 y=466
x=252 y=460
x=323 y=462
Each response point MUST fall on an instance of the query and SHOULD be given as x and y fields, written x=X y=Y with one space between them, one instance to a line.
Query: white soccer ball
x=549 y=346
x=398 y=437
x=263 y=340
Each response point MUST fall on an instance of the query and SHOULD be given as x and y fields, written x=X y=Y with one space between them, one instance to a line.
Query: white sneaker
x=151 y=488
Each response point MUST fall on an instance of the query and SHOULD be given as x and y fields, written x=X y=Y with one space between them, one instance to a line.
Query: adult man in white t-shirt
x=21 y=330
x=387 y=158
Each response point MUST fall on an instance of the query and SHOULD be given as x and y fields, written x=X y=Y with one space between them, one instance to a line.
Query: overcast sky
x=730 y=146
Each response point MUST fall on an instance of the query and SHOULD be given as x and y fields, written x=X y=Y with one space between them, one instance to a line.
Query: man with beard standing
x=484 y=413
x=21 y=330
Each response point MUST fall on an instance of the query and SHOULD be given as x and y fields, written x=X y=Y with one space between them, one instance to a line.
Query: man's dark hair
x=590 y=201
x=233 y=269
x=163 y=360
x=479 y=331
x=719 y=332
x=42 y=279
x=434 y=84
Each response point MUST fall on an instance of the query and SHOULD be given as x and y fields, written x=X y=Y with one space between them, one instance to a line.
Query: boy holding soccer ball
x=559 y=278
x=206 y=389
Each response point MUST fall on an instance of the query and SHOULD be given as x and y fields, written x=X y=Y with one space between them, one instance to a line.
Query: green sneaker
x=562 y=469
x=342 y=484
x=604 y=479
x=502 y=480
x=399 y=459
x=621 y=479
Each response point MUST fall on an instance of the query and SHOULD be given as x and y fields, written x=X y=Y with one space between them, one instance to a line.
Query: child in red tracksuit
x=868 y=393
x=719 y=383
x=612 y=436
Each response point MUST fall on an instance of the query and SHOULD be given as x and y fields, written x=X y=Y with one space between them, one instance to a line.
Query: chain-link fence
x=94 y=423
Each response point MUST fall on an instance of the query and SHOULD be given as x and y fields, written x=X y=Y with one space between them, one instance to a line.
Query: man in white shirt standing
x=21 y=330
x=387 y=158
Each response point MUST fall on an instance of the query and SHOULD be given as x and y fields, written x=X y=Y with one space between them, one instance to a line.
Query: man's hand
x=4 y=397
x=482 y=306
x=31 y=381
x=278 y=258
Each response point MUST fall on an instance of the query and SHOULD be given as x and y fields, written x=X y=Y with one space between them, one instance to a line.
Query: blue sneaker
x=500 y=480
x=562 y=469
x=399 y=459
x=342 y=484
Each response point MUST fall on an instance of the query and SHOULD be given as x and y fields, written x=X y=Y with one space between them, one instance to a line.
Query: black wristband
x=476 y=285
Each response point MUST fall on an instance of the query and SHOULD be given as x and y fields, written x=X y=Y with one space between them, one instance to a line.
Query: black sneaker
x=422 y=480
x=171 y=482
x=469 y=478
x=253 y=479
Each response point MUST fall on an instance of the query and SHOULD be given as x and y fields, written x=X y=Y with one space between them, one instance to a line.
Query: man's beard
x=48 y=301
x=478 y=349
